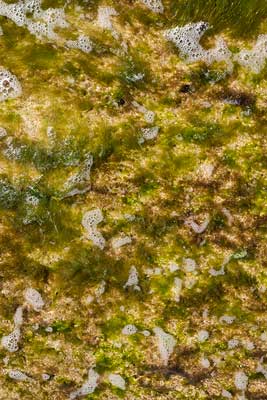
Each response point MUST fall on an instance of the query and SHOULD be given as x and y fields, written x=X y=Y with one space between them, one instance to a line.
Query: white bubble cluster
x=202 y=335
x=79 y=183
x=18 y=316
x=228 y=319
x=34 y=299
x=149 y=116
x=132 y=279
x=90 y=221
x=117 y=381
x=41 y=23
x=154 y=5
x=104 y=15
x=10 y=87
x=176 y=289
x=241 y=380
x=3 y=132
x=255 y=58
x=166 y=344
x=197 y=228
x=129 y=330
x=17 y=375
x=83 y=43
x=120 y=241
x=187 y=38
x=88 y=387
x=10 y=342
x=149 y=133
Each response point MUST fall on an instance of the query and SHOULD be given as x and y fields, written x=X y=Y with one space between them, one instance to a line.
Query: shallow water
x=133 y=199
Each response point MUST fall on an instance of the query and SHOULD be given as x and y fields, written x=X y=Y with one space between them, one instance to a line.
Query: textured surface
x=133 y=200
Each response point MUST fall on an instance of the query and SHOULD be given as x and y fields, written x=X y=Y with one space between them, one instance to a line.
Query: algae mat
x=133 y=199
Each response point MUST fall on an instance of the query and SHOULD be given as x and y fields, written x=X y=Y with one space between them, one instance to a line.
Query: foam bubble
x=166 y=344
x=202 y=335
x=129 y=330
x=176 y=289
x=33 y=298
x=228 y=319
x=117 y=381
x=226 y=394
x=10 y=87
x=3 y=132
x=79 y=183
x=17 y=375
x=232 y=343
x=204 y=362
x=148 y=115
x=90 y=221
x=132 y=279
x=189 y=265
x=187 y=38
x=149 y=133
x=120 y=241
x=197 y=228
x=41 y=23
x=18 y=316
x=255 y=58
x=83 y=43
x=10 y=342
x=241 y=380
x=89 y=385
x=154 y=5
x=104 y=20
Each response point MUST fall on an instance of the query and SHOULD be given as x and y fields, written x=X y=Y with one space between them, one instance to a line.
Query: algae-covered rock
x=133 y=188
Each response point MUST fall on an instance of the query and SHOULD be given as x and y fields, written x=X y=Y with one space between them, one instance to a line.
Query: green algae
x=87 y=99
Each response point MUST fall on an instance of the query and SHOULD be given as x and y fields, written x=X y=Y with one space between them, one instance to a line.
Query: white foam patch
x=241 y=380
x=149 y=133
x=218 y=272
x=197 y=228
x=117 y=381
x=202 y=335
x=187 y=38
x=3 y=132
x=166 y=344
x=10 y=87
x=83 y=43
x=189 y=265
x=120 y=241
x=132 y=279
x=100 y=289
x=90 y=221
x=149 y=116
x=255 y=58
x=34 y=299
x=104 y=15
x=45 y=377
x=79 y=183
x=10 y=342
x=176 y=289
x=89 y=385
x=18 y=316
x=154 y=5
x=232 y=343
x=204 y=362
x=129 y=330
x=226 y=394
x=228 y=319
x=41 y=23
x=18 y=375
x=205 y=170
x=173 y=266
